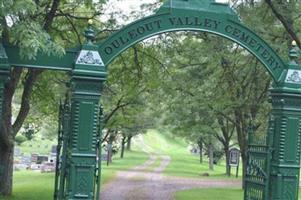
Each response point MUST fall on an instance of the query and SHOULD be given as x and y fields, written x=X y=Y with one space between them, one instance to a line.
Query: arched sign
x=223 y=24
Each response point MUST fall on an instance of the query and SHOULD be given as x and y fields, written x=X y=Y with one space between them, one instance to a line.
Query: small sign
x=104 y=157
x=234 y=157
x=293 y=76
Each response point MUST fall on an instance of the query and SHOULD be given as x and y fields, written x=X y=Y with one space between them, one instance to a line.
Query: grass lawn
x=211 y=194
x=29 y=185
x=183 y=163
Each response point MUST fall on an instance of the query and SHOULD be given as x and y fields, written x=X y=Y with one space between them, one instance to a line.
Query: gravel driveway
x=143 y=183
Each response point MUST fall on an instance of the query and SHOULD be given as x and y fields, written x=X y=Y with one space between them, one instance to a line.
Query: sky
x=127 y=6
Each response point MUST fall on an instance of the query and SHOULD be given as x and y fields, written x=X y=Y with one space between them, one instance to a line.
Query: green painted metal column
x=4 y=76
x=88 y=76
x=286 y=113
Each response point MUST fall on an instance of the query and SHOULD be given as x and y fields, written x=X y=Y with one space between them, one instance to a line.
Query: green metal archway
x=191 y=16
x=273 y=171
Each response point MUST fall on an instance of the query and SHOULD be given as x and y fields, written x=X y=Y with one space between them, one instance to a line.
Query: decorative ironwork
x=89 y=58
x=258 y=167
x=62 y=151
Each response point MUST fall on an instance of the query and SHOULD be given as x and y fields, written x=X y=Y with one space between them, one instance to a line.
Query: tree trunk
x=122 y=147
x=109 y=155
x=211 y=159
x=227 y=154
x=200 y=144
x=7 y=136
x=129 y=143
x=244 y=168
x=6 y=170
x=242 y=141
x=8 y=131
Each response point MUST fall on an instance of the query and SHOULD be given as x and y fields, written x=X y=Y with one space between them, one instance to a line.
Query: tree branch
x=289 y=27
x=31 y=78
x=50 y=16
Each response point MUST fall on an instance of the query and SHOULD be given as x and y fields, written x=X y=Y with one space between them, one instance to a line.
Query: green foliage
x=20 y=139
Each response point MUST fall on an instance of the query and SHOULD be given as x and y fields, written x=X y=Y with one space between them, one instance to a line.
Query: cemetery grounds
x=157 y=162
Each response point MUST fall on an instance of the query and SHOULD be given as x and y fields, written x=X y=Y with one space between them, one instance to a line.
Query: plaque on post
x=234 y=159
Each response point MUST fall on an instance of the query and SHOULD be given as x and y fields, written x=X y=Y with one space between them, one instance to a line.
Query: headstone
x=26 y=160
x=34 y=157
x=42 y=159
x=53 y=148
x=17 y=151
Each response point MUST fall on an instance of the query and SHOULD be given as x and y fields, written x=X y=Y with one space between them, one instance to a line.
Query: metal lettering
x=123 y=41
x=236 y=32
x=108 y=50
x=252 y=43
x=244 y=37
x=132 y=34
x=188 y=22
x=265 y=54
x=179 y=21
x=149 y=27
x=116 y=44
x=216 y=23
x=172 y=20
x=197 y=21
x=141 y=30
x=277 y=66
x=228 y=28
x=158 y=23
x=271 y=60
x=208 y=23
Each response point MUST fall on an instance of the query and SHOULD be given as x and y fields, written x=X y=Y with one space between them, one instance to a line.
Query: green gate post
x=4 y=76
x=286 y=112
x=88 y=76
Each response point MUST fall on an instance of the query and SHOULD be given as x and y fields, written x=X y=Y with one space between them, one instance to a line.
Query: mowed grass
x=211 y=194
x=30 y=185
x=183 y=163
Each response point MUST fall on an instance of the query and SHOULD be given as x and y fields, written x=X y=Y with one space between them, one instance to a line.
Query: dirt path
x=141 y=183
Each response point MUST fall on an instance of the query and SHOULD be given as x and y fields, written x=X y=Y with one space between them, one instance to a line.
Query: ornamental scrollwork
x=294 y=77
x=254 y=169
x=89 y=58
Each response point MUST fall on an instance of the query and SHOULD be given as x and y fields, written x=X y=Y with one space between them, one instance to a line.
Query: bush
x=20 y=139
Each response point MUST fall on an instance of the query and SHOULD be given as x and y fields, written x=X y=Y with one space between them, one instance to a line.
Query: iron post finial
x=293 y=52
x=294 y=43
x=89 y=33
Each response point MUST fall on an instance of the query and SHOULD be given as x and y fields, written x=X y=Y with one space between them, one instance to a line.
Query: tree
x=34 y=26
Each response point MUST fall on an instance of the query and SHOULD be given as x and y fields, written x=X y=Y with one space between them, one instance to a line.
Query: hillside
x=183 y=163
